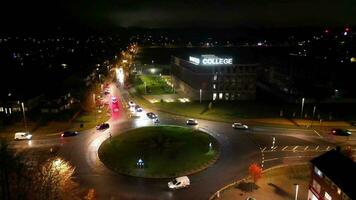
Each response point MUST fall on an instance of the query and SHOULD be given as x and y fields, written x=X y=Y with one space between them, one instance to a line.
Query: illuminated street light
x=24 y=115
x=200 y=94
x=302 y=108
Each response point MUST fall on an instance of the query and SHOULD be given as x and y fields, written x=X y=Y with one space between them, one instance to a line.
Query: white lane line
x=295 y=148
x=274 y=148
x=306 y=148
x=317 y=133
x=284 y=148
x=316 y=149
x=263 y=149
x=267 y=160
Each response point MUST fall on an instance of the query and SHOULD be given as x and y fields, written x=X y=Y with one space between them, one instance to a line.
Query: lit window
x=318 y=172
x=1 y=109
x=214 y=96
x=220 y=95
x=214 y=86
x=327 y=196
x=226 y=96
x=215 y=77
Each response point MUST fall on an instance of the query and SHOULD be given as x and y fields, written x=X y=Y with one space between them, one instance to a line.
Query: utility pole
x=24 y=115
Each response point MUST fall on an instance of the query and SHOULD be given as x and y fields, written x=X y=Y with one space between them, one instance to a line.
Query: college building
x=333 y=177
x=214 y=78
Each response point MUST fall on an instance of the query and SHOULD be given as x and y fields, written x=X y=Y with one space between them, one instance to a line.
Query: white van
x=179 y=182
x=23 y=136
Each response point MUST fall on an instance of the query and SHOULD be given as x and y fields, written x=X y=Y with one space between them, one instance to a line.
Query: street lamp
x=94 y=106
x=24 y=115
x=296 y=191
x=301 y=112
x=200 y=93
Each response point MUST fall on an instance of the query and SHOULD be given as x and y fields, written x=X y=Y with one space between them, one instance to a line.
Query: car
x=179 y=182
x=341 y=132
x=22 y=136
x=138 y=108
x=238 y=125
x=113 y=99
x=151 y=115
x=131 y=104
x=69 y=133
x=250 y=198
x=192 y=122
x=102 y=126
x=156 y=121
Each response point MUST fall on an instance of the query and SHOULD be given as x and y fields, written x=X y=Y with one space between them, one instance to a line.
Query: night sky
x=174 y=13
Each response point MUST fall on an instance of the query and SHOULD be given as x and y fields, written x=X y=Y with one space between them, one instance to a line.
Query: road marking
x=317 y=133
x=306 y=148
x=317 y=148
x=271 y=159
x=295 y=148
x=284 y=148
x=263 y=149
x=274 y=148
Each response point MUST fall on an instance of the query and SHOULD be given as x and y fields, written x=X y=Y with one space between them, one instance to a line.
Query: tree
x=255 y=172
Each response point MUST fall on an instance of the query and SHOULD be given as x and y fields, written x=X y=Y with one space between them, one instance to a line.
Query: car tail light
x=62 y=135
x=334 y=131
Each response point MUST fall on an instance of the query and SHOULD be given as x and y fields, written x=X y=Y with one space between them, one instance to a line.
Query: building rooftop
x=338 y=168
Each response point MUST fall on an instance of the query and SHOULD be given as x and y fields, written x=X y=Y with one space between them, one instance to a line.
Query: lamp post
x=200 y=93
x=296 y=191
x=24 y=115
x=301 y=111
x=94 y=107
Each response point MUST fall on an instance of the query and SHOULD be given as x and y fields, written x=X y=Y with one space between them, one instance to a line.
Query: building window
x=220 y=95
x=214 y=86
x=215 y=77
x=316 y=186
x=214 y=96
x=226 y=96
x=318 y=172
x=327 y=196
x=1 y=109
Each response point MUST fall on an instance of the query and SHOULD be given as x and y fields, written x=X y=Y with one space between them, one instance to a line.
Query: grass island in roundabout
x=159 y=151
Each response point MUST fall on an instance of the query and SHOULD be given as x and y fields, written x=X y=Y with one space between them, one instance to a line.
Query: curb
x=217 y=194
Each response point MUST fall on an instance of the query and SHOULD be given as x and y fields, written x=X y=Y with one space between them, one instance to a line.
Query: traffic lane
x=226 y=170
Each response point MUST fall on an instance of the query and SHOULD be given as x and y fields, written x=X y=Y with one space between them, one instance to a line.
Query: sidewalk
x=276 y=183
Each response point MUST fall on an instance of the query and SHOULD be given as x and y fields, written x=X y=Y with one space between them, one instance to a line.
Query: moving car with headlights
x=69 y=133
x=102 y=126
x=22 y=136
x=341 y=132
x=192 y=122
x=179 y=182
x=238 y=125
x=151 y=115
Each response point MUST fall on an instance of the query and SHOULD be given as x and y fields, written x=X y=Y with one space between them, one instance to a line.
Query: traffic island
x=159 y=152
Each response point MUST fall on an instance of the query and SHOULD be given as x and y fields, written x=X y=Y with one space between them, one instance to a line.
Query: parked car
x=151 y=115
x=342 y=132
x=113 y=99
x=102 y=126
x=69 y=133
x=131 y=104
x=179 y=182
x=138 y=108
x=22 y=136
x=192 y=122
x=238 y=125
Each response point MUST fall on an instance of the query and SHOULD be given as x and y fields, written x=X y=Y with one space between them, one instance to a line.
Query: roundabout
x=159 y=152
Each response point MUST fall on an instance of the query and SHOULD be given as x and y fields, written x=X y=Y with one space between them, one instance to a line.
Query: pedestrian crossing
x=298 y=148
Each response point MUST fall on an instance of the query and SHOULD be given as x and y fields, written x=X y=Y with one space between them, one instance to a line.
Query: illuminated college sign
x=210 y=60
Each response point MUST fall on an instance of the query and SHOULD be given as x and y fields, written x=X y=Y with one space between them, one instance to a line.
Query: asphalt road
x=239 y=149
